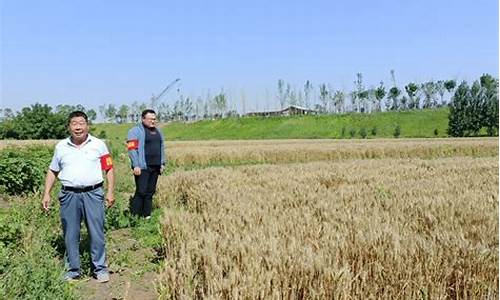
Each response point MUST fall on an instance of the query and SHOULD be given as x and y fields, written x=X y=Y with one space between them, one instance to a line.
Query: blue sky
x=95 y=52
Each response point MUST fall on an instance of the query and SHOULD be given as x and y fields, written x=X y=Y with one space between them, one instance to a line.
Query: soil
x=132 y=271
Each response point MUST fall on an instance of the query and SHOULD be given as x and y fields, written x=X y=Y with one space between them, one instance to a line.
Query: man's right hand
x=137 y=171
x=46 y=202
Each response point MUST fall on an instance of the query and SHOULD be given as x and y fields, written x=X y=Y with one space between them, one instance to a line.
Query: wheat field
x=210 y=153
x=388 y=228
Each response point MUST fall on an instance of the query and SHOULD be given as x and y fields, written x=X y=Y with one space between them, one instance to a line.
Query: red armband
x=106 y=162
x=132 y=145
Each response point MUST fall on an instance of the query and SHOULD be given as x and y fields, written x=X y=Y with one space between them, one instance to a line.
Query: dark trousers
x=145 y=187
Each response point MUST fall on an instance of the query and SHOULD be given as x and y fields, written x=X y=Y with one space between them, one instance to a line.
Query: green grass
x=413 y=124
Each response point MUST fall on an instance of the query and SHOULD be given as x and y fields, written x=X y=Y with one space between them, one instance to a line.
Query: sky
x=99 y=52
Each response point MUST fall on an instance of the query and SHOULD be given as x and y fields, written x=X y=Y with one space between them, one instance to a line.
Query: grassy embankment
x=413 y=124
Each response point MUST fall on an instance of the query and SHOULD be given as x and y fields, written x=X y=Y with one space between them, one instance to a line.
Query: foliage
x=28 y=265
x=397 y=131
x=474 y=108
x=363 y=133
x=35 y=122
x=23 y=169
x=352 y=132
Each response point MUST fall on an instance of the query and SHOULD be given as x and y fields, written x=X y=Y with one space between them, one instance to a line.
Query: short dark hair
x=147 y=111
x=78 y=113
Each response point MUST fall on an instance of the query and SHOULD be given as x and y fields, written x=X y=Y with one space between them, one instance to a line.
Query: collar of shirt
x=87 y=140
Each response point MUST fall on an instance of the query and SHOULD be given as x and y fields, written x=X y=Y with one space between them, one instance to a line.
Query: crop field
x=210 y=153
x=300 y=219
x=422 y=224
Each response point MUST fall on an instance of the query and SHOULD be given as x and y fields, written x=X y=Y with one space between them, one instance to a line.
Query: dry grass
x=376 y=229
x=206 y=153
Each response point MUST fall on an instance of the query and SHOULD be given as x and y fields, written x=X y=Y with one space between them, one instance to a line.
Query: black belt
x=82 y=189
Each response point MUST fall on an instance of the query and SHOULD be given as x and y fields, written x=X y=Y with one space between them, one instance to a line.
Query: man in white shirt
x=78 y=163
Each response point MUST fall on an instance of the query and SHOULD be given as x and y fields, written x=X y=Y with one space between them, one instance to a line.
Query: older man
x=78 y=162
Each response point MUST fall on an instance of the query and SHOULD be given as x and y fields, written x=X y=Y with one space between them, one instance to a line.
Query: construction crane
x=154 y=99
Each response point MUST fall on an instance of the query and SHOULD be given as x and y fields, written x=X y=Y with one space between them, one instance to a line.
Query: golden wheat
x=205 y=153
x=388 y=228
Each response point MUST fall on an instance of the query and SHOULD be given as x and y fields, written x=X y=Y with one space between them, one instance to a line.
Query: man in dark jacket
x=145 y=146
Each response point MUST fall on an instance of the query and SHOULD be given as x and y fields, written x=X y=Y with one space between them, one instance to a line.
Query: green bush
x=352 y=132
x=374 y=130
x=363 y=133
x=36 y=122
x=397 y=131
x=23 y=169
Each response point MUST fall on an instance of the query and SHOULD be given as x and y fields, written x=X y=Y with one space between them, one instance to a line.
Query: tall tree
x=122 y=113
x=339 y=99
x=323 y=97
x=91 y=114
x=429 y=90
x=414 y=100
x=292 y=96
x=110 y=112
x=441 y=89
x=163 y=112
x=308 y=87
x=188 y=107
x=457 y=119
x=220 y=102
x=394 y=93
x=490 y=113
x=393 y=97
x=362 y=94
x=475 y=108
x=8 y=114
x=379 y=95
x=281 y=93
x=450 y=85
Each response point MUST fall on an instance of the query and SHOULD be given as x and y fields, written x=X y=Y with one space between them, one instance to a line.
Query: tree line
x=430 y=94
x=39 y=121
x=473 y=109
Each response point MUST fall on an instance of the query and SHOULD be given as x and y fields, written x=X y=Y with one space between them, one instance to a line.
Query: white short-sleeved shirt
x=80 y=166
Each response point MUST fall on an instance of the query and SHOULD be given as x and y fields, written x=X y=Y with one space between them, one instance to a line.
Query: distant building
x=292 y=110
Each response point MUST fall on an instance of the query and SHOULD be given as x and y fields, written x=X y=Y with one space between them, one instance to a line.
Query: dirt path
x=132 y=269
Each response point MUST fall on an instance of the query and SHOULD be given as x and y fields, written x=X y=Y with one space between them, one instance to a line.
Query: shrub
x=23 y=169
x=342 y=132
x=374 y=130
x=352 y=132
x=363 y=133
x=397 y=131
x=29 y=264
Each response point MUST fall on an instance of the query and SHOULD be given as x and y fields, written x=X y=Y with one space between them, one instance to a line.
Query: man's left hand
x=110 y=199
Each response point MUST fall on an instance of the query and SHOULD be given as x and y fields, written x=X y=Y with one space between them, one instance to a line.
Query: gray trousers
x=88 y=206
